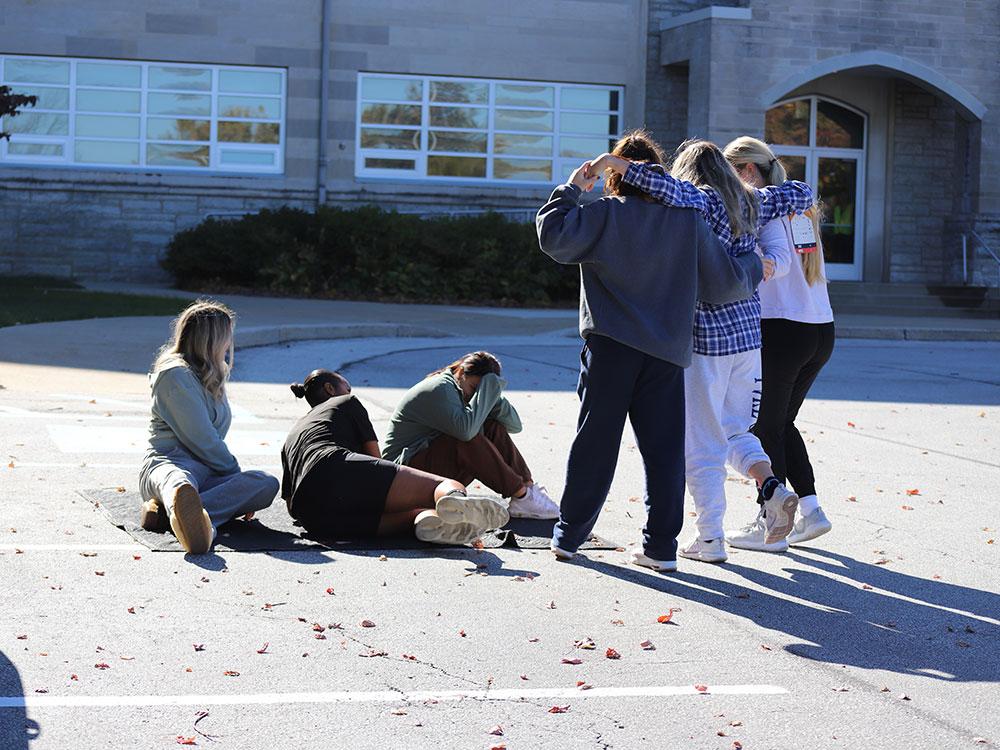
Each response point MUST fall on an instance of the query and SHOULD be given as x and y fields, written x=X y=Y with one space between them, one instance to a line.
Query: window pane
x=470 y=93
x=525 y=96
x=177 y=156
x=95 y=74
x=788 y=124
x=37 y=123
x=35 y=149
x=838 y=127
x=392 y=89
x=265 y=158
x=522 y=119
x=250 y=81
x=795 y=167
x=184 y=79
x=48 y=98
x=527 y=145
x=249 y=132
x=391 y=114
x=459 y=117
x=454 y=141
x=456 y=166
x=159 y=129
x=390 y=138
x=583 y=148
x=574 y=98
x=570 y=122
x=522 y=169
x=179 y=104
x=250 y=106
x=101 y=126
x=838 y=182
x=390 y=164
x=107 y=152
x=36 y=71
x=96 y=100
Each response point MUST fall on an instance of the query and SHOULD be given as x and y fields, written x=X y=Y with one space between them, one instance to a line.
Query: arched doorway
x=822 y=141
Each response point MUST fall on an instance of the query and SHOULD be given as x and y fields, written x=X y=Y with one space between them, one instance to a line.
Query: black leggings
x=793 y=353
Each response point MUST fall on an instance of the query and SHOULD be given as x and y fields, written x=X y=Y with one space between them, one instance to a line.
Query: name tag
x=803 y=235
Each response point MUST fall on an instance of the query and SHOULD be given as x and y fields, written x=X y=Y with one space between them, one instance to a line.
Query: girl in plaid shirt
x=722 y=386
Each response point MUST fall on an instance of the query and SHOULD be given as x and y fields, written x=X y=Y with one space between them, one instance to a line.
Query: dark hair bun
x=298 y=389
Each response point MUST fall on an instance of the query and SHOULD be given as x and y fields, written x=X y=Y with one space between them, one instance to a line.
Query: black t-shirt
x=338 y=424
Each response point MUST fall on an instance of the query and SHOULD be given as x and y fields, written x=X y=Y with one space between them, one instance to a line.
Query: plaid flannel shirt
x=732 y=328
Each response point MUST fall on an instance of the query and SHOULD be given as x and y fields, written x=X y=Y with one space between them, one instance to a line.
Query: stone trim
x=719 y=12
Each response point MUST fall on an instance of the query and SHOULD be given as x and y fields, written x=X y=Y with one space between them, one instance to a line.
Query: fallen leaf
x=497 y=730
x=372 y=653
x=22 y=637
x=330 y=591
x=647 y=646
x=319 y=628
x=198 y=646
x=231 y=673
x=136 y=557
x=494 y=747
x=530 y=640
x=904 y=697
x=367 y=624
x=766 y=648
x=737 y=745
x=319 y=636
x=840 y=689
x=524 y=677
x=664 y=619
x=185 y=740
x=131 y=610
x=559 y=710
x=906 y=507
x=612 y=654
x=99 y=573
x=586 y=644
x=552 y=605
x=701 y=688
x=461 y=633
x=866 y=587
x=913 y=492
x=572 y=661
x=102 y=665
x=263 y=649
x=736 y=723
x=120 y=490
x=398 y=712
x=74 y=678
x=851 y=424
x=885 y=689
x=852 y=499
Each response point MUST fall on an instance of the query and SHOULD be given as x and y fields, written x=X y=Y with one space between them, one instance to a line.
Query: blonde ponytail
x=747 y=150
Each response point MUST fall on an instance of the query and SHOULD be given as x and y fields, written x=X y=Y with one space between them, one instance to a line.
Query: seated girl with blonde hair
x=189 y=479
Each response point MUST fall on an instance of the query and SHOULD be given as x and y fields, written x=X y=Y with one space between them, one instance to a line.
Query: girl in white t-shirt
x=797 y=340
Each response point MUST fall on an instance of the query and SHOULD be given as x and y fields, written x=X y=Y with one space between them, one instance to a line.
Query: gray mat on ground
x=273 y=530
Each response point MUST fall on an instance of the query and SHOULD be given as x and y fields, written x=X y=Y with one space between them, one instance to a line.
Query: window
x=469 y=129
x=144 y=115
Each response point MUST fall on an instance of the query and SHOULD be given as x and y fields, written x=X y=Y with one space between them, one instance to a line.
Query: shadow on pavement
x=847 y=624
x=16 y=729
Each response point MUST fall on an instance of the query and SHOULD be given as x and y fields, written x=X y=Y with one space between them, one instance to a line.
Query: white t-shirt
x=787 y=294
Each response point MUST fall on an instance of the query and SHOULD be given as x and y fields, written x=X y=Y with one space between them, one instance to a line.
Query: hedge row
x=369 y=253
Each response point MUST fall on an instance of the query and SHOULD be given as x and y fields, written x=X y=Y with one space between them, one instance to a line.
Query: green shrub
x=368 y=253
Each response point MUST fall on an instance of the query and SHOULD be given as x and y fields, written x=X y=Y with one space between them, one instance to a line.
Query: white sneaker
x=660 y=566
x=478 y=510
x=809 y=527
x=429 y=527
x=536 y=503
x=754 y=536
x=561 y=554
x=706 y=550
x=779 y=513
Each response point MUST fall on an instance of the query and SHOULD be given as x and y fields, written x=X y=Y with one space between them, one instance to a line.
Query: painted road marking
x=380 y=696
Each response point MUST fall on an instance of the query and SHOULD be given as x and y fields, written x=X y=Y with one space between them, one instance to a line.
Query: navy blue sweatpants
x=617 y=380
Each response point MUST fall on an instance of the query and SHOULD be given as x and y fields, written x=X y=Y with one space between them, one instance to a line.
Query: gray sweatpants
x=224 y=496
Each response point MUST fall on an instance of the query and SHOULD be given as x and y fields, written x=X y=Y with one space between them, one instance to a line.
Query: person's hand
x=595 y=167
x=580 y=178
x=768 y=264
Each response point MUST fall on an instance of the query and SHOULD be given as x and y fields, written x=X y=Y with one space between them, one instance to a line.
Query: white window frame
x=419 y=175
x=215 y=147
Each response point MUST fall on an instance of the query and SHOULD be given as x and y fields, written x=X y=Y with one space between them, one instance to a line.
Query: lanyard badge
x=803 y=234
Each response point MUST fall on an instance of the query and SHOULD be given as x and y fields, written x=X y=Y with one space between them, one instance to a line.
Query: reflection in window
x=460 y=117
x=456 y=166
x=788 y=124
x=136 y=114
x=453 y=91
x=446 y=140
x=391 y=114
x=838 y=127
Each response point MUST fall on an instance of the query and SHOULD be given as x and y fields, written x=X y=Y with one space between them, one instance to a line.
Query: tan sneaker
x=477 y=510
x=779 y=514
x=189 y=521
x=429 y=527
x=153 y=516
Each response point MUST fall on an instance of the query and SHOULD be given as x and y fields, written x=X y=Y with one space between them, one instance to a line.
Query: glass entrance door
x=822 y=143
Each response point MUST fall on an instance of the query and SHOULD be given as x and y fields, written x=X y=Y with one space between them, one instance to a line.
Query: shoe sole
x=812 y=535
x=562 y=554
x=780 y=546
x=785 y=521
x=659 y=568
x=534 y=516
x=481 y=512
x=189 y=522
x=430 y=528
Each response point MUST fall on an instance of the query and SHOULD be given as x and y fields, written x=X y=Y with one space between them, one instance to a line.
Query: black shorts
x=343 y=495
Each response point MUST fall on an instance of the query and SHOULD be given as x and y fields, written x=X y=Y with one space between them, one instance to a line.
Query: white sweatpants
x=721 y=395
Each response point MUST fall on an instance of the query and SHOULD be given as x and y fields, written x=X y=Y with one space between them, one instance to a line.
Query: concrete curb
x=253 y=336
x=916 y=334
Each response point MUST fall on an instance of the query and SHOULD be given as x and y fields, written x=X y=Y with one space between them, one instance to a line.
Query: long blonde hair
x=747 y=150
x=703 y=164
x=202 y=338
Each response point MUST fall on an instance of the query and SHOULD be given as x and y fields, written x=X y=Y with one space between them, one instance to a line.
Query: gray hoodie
x=642 y=268
x=185 y=415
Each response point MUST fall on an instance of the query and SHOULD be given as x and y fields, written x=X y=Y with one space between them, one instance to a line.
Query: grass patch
x=40 y=299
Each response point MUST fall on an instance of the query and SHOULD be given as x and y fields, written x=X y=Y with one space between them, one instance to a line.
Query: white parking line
x=72 y=547
x=382 y=696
